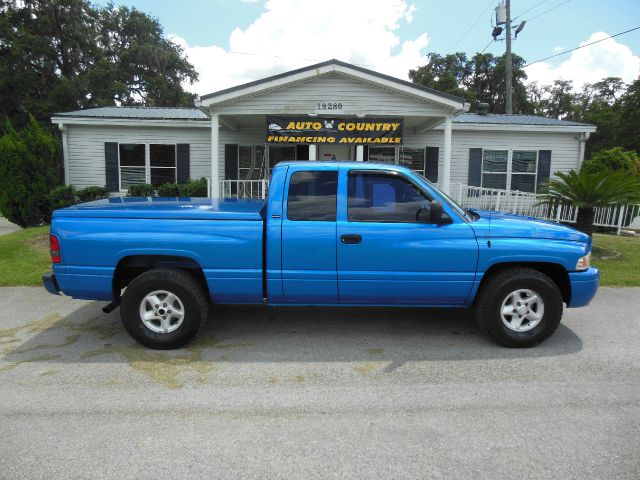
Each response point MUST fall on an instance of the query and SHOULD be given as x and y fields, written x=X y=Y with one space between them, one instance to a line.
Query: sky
x=231 y=42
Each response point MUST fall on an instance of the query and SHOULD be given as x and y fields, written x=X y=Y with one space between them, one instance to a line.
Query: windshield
x=458 y=208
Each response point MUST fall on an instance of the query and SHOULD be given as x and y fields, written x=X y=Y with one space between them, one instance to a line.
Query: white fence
x=524 y=203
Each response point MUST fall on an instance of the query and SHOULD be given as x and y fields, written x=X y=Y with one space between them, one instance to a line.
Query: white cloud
x=590 y=64
x=300 y=33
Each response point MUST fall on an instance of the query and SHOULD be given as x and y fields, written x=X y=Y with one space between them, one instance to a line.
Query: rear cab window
x=312 y=196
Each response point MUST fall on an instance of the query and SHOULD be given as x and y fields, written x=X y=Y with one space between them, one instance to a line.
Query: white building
x=224 y=137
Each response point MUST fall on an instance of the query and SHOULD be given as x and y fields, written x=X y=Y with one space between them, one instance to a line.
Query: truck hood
x=167 y=207
x=510 y=225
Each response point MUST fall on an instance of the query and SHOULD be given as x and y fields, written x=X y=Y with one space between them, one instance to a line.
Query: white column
x=65 y=151
x=215 y=155
x=313 y=152
x=359 y=153
x=446 y=170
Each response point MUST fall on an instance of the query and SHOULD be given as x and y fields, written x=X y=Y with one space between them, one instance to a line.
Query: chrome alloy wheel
x=161 y=311
x=522 y=310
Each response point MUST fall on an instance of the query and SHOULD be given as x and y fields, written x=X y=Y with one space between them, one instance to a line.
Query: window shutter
x=365 y=153
x=183 y=163
x=431 y=164
x=111 y=171
x=302 y=152
x=475 y=167
x=544 y=167
x=231 y=162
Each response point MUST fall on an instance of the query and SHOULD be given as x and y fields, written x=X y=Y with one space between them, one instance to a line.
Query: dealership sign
x=334 y=130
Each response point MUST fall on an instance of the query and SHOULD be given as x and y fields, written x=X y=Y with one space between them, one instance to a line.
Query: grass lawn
x=623 y=271
x=24 y=258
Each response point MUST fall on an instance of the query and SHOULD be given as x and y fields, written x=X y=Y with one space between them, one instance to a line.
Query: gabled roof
x=325 y=68
x=339 y=63
x=141 y=113
x=515 y=119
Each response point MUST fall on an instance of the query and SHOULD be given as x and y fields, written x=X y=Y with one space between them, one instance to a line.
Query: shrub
x=140 y=190
x=194 y=188
x=92 y=193
x=169 y=190
x=62 y=197
x=613 y=159
x=28 y=166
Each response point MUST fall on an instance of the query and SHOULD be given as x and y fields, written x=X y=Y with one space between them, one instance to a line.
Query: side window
x=312 y=196
x=374 y=197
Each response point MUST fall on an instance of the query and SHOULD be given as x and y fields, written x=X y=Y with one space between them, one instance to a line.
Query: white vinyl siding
x=356 y=97
x=86 y=148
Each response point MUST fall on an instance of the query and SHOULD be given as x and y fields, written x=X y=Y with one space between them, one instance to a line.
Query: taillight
x=54 y=249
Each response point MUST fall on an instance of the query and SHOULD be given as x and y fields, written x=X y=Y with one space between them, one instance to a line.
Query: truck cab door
x=388 y=253
x=309 y=273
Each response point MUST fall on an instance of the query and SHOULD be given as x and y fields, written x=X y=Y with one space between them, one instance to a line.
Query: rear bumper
x=584 y=286
x=50 y=284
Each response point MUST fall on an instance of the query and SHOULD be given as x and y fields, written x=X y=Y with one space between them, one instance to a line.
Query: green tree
x=586 y=191
x=27 y=173
x=629 y=105
x=58 y=55
x=479 y=79
x=613 y=159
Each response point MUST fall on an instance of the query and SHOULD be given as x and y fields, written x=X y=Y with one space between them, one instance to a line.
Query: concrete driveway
x=317 y=393
x=7 y=227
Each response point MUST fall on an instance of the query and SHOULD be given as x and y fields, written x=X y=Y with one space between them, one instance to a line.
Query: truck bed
x=167 y=208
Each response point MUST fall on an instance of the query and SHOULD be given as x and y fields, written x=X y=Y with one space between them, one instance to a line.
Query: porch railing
x=524 y=203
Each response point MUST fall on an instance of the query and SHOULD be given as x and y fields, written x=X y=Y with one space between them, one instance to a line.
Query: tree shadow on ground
x=245 y=334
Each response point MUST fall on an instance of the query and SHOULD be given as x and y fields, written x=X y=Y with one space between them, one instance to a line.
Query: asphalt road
x=317 y=393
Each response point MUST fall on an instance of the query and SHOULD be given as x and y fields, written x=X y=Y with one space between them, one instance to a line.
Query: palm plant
x=586 y=191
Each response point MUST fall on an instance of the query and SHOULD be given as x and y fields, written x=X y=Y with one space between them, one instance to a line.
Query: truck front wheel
x=163 y=308
x=519 y=307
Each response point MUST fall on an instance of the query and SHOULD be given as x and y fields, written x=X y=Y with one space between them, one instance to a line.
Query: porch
x=480 y=198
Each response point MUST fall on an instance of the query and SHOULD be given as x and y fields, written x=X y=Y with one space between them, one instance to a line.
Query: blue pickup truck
x=330 y=233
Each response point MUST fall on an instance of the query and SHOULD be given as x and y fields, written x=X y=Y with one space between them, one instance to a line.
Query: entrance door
x=387 y=256
x=333 y=152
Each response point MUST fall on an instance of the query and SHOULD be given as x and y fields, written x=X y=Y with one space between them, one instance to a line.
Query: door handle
x=351 y=239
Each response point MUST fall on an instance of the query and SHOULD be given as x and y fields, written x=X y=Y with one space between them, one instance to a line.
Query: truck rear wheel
x=163 y=308
x=519 y=307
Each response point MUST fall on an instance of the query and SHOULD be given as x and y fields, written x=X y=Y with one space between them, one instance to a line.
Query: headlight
x=584 y=262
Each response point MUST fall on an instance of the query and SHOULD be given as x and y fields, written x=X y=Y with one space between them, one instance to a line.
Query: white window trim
x=510 y=171
x=147 y=162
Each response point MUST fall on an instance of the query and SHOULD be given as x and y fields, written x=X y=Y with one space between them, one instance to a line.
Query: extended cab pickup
x=329 y=233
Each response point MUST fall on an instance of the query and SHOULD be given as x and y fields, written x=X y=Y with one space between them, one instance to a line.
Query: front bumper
x=50 y=284
x=584 y=286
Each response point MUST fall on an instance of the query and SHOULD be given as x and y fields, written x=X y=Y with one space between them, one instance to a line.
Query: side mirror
x=435 y=211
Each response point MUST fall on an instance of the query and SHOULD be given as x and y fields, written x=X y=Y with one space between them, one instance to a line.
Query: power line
x=487 y=46
x=473 y=24
x=547 y=11
x=581 y=46
x=529 y=9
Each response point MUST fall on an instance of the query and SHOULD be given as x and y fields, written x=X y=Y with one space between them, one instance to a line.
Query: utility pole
x=508 y=65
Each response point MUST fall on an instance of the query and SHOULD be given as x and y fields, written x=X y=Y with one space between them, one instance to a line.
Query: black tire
x=194 y=301
x=498 y=289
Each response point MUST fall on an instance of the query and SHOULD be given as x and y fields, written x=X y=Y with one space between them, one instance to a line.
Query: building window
x=413 y=158
x=280 y=153
x=494 y=168
x=510 y=170
x=524 y=168
x=155 y=165
x=132 y=164
x=382 y=154
x=162 y=163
